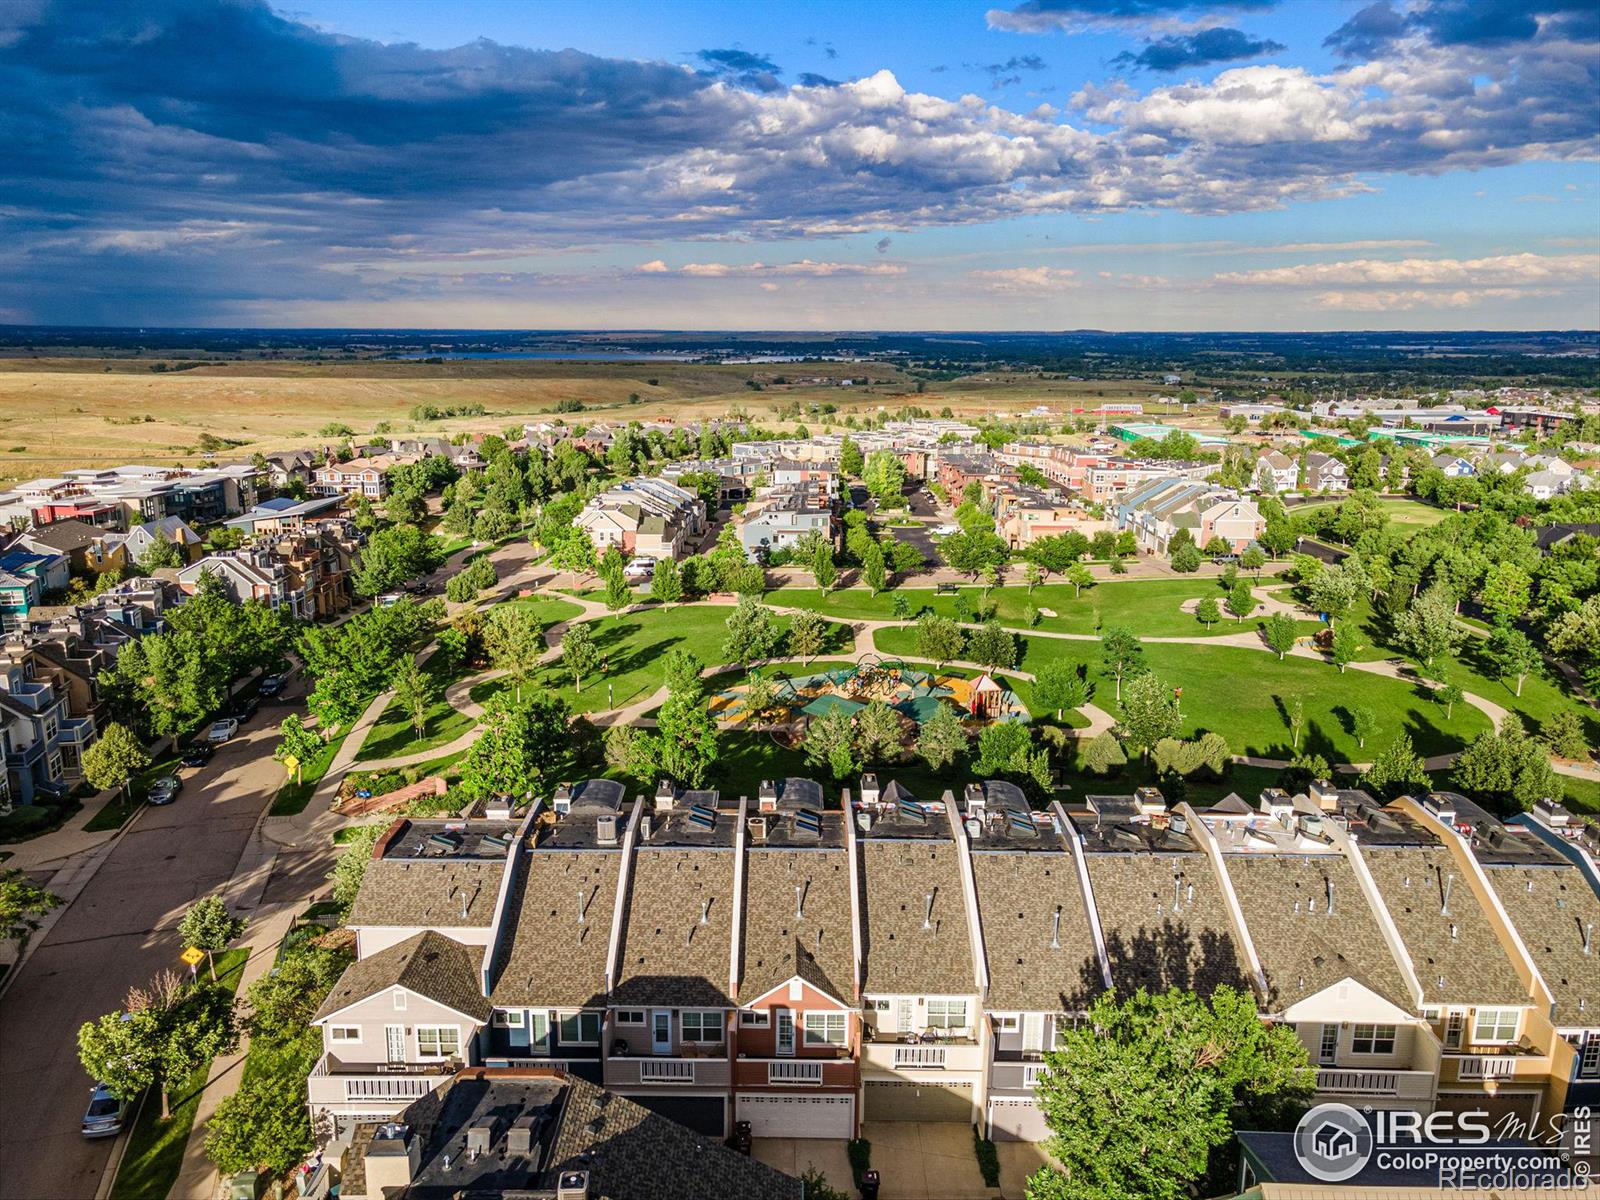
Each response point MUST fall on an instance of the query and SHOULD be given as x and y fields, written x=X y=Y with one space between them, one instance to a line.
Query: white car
x=945 y=530
x=222 y=730
x=639 y=569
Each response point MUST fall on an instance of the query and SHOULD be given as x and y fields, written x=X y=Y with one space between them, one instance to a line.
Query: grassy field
x=294 y=794
x=1403 y=512
x=1151 y=608
x=1244 y=695
x=155 y=1147
x=394 y=735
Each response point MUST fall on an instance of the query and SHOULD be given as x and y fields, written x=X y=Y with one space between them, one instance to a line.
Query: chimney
x=664 y=796
x=767 y=796
x=645 y=827
x=1324 y=794
x=1149 y=801
x=392 y=1159
x=562 y=800
x=869 y=789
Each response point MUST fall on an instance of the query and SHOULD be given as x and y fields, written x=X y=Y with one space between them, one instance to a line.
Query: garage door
x=703 y=1114
x=798 y=1116
x=895 y=1101
x=1016 y=1121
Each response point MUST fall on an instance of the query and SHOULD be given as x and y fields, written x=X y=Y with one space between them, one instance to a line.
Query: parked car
x=198 y=755
x=243 y=708
x=222 y=730
x=639 y=569
x=945 y=530
x=103 y=1117
x=420 y=588
x=389 y=599
x=164 y=790
x=271 y=685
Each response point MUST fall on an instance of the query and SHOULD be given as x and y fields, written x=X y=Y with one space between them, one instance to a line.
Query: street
x=120 y=931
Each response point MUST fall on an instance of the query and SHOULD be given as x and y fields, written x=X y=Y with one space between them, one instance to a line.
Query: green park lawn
x=394 y=734
x=1413 y=514
x=1242 y=694
x=1151 y=608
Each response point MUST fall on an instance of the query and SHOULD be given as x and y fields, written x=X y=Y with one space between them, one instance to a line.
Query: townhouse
x=1154 y=514
x=284 y=513
x=21 y=591
x=80 y=541
x=119 y=497
x=1324 y=473
x=1454 y=465
x=137 y=541
x=1025 y=514
x=1100 y=475
x=40 y=740
x=782 y=516
x=960 y=467
x=286 y=468
x=367 y=477
x=248 y=574
x=1276 y=472
x=651 y=518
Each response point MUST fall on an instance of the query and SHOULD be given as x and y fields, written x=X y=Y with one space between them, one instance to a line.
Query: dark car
x=198 y=755
x=270 y=685
x=244 y=708
x=164 y=790
x=103 y=1117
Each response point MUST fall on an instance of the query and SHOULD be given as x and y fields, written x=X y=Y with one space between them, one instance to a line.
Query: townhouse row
x=807 y=967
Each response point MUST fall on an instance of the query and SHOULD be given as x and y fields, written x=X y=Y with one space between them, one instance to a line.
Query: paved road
x=121 y=930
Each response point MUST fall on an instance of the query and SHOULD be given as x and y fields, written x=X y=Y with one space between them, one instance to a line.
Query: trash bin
x=246 y=1185
x=741 y=1137
x=869 y=1185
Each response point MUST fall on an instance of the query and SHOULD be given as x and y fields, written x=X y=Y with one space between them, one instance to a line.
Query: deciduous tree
x=942 y=738
x=209 y=926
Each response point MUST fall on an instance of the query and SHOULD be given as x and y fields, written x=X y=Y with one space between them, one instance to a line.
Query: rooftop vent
x=864 y=821
x=444 y=841
x=758 y=829
x=479 y=1138
x=808 y=823
x=605 y=829
x=496 y=841
x=573 y=1185
x=974 y=801
x=767 y=796
x=702 y=817
x=562 y=800
x=1178 y=823
x=869 y=789
x=519 y=1138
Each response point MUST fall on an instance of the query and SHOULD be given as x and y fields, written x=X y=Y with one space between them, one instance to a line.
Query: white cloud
x=1512 y=270
x=803 y=267
x=1026 y=279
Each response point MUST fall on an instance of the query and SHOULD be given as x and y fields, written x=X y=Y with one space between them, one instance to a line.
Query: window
x=508 y=1018
x=1589 y=1057
x=630 y=1016
x=438 y=1041
x=344 y=1035
x=580 y=1029
x=1495 y=1025
x=1373 y=1039
x=702 y=1027
x=755 y=1018
x=947 y=1014
x=399 y=1001
x=825 y=1028
x=1006 y=1022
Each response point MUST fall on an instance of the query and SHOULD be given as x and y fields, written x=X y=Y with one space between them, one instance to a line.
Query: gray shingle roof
x=817 y=946
x=428 y=964
x=550 y=958
x=1550 y=920
x=1303 y=953
x=1151 y=943
x=668 y=956
x=900 y=954
x=1472 y=963
x=427 y=893
x=1018 y=896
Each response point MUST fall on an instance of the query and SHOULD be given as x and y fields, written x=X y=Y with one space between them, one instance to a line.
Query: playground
x=913 y=691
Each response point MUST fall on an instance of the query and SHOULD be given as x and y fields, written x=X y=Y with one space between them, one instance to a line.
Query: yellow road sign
x=192 y=957
x=290 y=763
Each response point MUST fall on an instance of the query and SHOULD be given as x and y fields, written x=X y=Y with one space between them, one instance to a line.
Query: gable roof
x=817 y=946
x=1550 y=907
x=552 y=958
x=668 y=956
x=425 y=893
x=64 y=536
x=428 y=964
x=904 y=949
x=1019 y=895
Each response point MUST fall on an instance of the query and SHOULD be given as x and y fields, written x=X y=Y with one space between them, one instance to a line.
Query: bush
x=988 y=1158
x=27 y=819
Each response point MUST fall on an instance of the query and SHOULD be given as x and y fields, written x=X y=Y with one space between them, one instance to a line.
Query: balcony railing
x=919 y=1056
x=685 y=1072
x=1492 y=1063
x=951 y=1054
x=1401 y=1085
x=797 y=1071
x=335 y=1082
x=1479 y=1066
x=667 y=1070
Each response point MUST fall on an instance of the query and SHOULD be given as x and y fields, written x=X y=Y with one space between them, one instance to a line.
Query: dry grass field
x=58 y=413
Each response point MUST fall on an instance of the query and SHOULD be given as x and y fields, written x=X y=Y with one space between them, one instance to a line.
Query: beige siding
x=375 y=1014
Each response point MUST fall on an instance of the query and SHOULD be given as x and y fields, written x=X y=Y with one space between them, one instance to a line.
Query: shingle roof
x=428 y=964
x=1303 y=953
x=551 y=958
x=1460 y=946
x=1551 y=919
x=900 y=954
x=817 y=946
x=1153 y=943
x=65 y=535
x=427 y=893
x=668 y=957
x=1018 y=897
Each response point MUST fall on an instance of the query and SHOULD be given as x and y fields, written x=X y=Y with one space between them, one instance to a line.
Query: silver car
x=103 y=1117
x=222 y=730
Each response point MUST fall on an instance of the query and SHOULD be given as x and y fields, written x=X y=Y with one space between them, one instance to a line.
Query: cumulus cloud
x=1520 y=270
x=1053 y=16
x=1215 y=45
x=1025 y=279
x=742 y=68
x=1478 y=23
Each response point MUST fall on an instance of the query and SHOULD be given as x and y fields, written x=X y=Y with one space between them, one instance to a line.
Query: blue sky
x=1123 y=164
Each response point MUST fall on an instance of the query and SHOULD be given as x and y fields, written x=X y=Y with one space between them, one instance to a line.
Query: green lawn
x=155 y=1147
x=1409 y=513
x=1242 y=694
x=394 y=735
x=634 y=645
x=1151 y=608
x=1582 y=795
x=295 y=794
x=548 y=609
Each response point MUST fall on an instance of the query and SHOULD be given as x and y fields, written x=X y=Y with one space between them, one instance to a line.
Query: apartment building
x=367 y=477
x=782 y=516
x=648 y=517
x=41 y=742
x=1155 y=512
x=1101 y=476
x=119 y=497
x=960 y=467
x=1025 y=514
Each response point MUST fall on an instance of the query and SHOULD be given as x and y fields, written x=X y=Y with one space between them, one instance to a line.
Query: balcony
x=805 y=1071
x=649 y=1071
x=1016 y=1075
x=1394 y=1085
x=912 y=1058
x=373 y=1085
x=1484 y=1064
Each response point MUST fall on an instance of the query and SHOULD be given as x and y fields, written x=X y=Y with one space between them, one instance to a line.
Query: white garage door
x=798 y=1116
x=1013 y=1120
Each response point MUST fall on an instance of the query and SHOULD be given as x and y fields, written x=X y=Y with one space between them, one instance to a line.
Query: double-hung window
x=1589 y=1057
x=508 y=1018
x=825 y=1028
x=344 y=1035
x=1495 y=1025
x=947 y=1014
x=1373 y=1039
x=702 y=1027
x=438 y=1041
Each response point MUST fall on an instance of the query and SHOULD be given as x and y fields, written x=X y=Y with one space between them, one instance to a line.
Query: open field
x=68 y=412
x=1410 y=514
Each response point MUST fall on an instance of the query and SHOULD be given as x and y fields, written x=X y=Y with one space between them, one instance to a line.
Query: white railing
x=393 y=1087
x=1478 y=1066
x=1031 y=1074
x=915 y=1057
x=666 y=1070
x=794 y=1072
x=1366 y=1083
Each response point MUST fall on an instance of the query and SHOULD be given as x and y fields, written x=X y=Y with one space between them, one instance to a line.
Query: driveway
x=119 y=931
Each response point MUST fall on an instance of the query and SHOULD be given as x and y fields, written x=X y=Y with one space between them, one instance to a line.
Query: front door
x=1455 y=1025
x=661 y=1031
x=785 y=1027
x=902 y=1016
x=394 y=1037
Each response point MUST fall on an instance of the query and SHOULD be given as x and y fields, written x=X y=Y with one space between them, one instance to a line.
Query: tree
x=1032 y=576
x=878 y=734
x=579 y=653
x=1253 y=560
x=939 y=638
x=970 y=551
x=619 y=594
x=392 y=557
x=823 y=569
x=1565 y=736
x=1336 y=589
x=1363 y=724
x=351 y=866
x=279 y=1005
x=666 y=584
x=514 y=640
x=161 y=553
x=1121 y=654
x=1149 y=712
x=22 y=904
x=167 y=1033
x=851 y=461
x=1139 y=1095
x=686 y=742
x=885 y=476
x=1103 y=754
x=114 y=758
x=760 y=695
x=829 y=741
x=1577 y=632
x=469 y=583
x=751 y=633
x=1059 y=686
x=1507 y=768
x=808 y=634
x=631 y=751
x=123 y=1051
x=1397 y=768
x=681 y=670
x=942 y=738
x=1449 y=695
x=1207 y=612
x=414 y=692
x=1186 y=558
x=1505 y=591
x=1280 y=631
x=1241 y=600
x=1294 y=716
x=209 y=926
x=874 y=570
x=253 y=1129
x=1512 y=654
x=1080 y=577
x=521 y=741
x=1003 y=749
x=993 y=646
x=1347 y=645
x=1427 y=628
